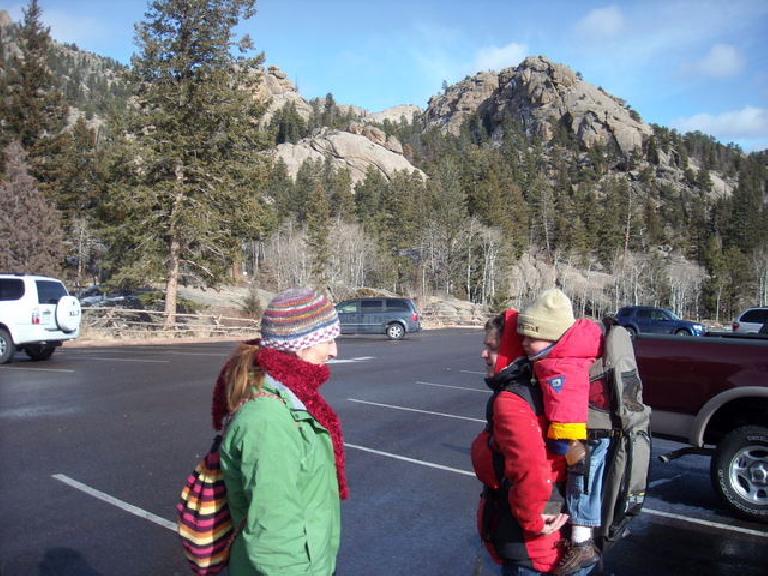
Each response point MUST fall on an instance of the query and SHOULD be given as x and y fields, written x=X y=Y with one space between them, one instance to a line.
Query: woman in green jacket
x=283 y=451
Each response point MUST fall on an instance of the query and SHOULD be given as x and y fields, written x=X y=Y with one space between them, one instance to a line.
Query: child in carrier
x=562 y=350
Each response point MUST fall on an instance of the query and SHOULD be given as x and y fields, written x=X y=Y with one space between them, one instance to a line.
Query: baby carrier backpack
x=617 y=411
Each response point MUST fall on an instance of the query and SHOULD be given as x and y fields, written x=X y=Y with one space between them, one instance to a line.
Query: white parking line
x=130 y=508
x=423 y=383
x=350 y=360
x=110 y=359
x=707 y=523
x=680 y=517
x=411 y=460
x=393 y=407
x=196 y=354
x=473 y=372
x=62 y=370
x=662 y=481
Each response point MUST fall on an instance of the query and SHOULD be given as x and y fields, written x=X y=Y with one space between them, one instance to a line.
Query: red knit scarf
x=304 y=380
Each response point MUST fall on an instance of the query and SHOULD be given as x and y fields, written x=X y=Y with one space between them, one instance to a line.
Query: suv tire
x=7 y=347
x=739 y=468
x=395 y=331
x=68 y=314
x=682 y=332
x=39 y=352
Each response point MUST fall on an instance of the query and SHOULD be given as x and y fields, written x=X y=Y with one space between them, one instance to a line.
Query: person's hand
x=553 y=523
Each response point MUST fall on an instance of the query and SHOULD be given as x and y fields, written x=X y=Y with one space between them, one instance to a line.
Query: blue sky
x=685 y=64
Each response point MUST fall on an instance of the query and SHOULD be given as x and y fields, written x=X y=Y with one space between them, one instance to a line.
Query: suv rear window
x=11 y=289
x=49 y=292
x=757 y=315
x=399 y=305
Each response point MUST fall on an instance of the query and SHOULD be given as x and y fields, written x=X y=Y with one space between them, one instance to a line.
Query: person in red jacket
x=562 y=351
x=521 y=511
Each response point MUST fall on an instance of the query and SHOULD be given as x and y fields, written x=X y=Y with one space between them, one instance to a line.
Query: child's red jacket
x=563 y=374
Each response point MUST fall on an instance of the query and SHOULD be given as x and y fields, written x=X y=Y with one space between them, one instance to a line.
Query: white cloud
x=722 y=60
x=601 y=24
x=748 y=123
x=494 y=58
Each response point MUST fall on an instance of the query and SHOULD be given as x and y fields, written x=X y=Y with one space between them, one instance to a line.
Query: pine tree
x=186 y=182
x=318 y=224
x=338 y=183
x=35 y=111
x=30 y=230
x=368 y=196
x=35 y=107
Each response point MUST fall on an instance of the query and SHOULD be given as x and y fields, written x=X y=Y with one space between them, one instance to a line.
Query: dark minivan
x=391 y=316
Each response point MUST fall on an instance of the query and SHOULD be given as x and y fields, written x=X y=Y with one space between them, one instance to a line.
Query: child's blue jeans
x=585 y=508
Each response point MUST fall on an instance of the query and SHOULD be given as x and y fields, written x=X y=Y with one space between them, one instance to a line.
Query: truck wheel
x=739 y=471
x=7 y=348
x=38 y=352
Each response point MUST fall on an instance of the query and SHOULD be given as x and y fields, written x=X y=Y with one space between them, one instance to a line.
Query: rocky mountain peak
x=276 y=87
x=543 y=96
x=355 y=151
x=450 y=109
x=5 y=19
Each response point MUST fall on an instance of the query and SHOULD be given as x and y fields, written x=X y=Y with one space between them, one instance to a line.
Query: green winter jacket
x=280 y=474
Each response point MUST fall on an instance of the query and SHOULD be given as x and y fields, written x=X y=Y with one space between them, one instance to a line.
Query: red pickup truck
x=712 y=393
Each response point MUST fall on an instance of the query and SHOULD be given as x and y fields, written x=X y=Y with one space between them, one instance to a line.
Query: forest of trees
x=174 y=186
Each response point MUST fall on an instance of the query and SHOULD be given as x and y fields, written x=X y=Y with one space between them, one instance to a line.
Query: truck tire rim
x=748 y=474
x=3 y=346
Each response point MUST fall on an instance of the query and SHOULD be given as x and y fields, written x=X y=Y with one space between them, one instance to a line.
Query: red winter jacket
x=532 y=473
x=563 y=374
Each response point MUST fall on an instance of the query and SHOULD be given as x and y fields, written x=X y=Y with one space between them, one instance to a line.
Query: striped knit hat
x=297 y=319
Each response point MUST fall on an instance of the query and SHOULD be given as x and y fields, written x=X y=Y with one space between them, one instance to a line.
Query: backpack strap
x=533 y=396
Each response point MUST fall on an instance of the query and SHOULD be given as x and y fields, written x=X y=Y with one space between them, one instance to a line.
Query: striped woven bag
x=204 y=522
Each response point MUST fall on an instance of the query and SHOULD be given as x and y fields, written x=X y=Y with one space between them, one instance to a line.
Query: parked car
x=751 y=320
x=391 y=316
x=91 y=296
x=96 y=296
x=652 y=320
x=37 y=314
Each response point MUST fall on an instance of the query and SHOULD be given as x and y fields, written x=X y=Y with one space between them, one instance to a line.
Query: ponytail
x=236 y=382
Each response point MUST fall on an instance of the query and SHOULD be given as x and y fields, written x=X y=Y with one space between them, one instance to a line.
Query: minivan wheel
x=7 y=348
x=395 y=331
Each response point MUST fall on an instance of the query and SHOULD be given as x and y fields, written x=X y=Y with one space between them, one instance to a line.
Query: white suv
x=36 y=315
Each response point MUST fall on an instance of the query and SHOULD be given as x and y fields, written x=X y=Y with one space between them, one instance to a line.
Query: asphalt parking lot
x=97 y=442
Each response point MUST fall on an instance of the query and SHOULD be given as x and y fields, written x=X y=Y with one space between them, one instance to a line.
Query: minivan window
x=347 y=308
x=397 y=305
x=11 y=289
x=757 y=315
x=49 y=292
x=370 y=305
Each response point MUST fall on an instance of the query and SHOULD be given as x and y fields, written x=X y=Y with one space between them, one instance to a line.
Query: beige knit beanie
x=548 y=318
